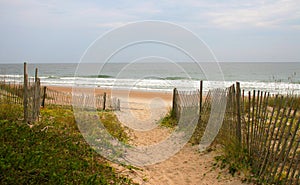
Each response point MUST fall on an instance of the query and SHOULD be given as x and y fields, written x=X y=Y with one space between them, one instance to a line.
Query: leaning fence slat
x=278 y=153
x=264 y=144
x=238 y=108
x=255 y=118
x=263 y=121
x=252 y=123
x=295 y=168
x=289 y=147
x=277 y=130
x=249 y=122
x=258 y=119
x=269 y=142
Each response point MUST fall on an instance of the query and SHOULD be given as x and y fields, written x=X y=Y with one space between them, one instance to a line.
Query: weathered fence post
x=118 y=105
x=201 y=94
x=173 y=112
x=104 y=100
x=44 y=97
x=37 y=100
x=36 y=75
x=34 y=96
x=25 y=93
x=32 y=93
x=238 y=108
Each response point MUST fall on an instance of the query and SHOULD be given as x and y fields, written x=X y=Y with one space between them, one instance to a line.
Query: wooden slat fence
x=27 y=94
x=100 y=102
x=184 y=99
x=272 y=137
x=11 y=93
x=266 y=126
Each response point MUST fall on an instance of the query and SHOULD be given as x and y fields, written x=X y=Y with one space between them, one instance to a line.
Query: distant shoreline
x=140 y=94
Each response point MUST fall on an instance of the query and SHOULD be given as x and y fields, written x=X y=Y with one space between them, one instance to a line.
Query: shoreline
x=136 y=93
x=271 y=87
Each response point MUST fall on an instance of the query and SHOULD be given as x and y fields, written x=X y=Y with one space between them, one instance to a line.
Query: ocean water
x=151 y=76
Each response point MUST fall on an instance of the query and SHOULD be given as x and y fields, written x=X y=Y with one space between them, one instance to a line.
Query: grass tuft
x=236 y=159
x=169 y=120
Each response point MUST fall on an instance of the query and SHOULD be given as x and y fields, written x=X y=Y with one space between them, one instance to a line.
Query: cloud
x=231 y=14
x=61 y=14
x=53 y=25
x=269 y=14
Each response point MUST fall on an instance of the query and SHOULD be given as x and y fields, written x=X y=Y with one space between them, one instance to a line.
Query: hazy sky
x=236 y=30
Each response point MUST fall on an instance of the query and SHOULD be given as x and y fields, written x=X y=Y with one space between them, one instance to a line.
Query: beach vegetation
x=113 y=125
x=51 y=150
x=169 y=120
x=10 y=112
x=235 y=158
x=291 y=100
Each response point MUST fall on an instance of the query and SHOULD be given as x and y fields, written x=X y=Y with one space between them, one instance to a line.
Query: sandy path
x=140 y=111
x=188 y=166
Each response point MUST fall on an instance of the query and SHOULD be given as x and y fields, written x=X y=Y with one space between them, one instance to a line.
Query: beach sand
x=140 y=111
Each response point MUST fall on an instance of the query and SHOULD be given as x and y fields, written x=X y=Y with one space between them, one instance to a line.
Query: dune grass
x=50 y=151
x=169 y=121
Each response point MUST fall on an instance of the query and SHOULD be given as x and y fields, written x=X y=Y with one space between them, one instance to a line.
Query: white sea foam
x=159 y=84
x=271 y=77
